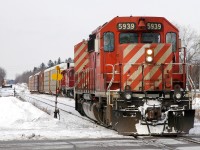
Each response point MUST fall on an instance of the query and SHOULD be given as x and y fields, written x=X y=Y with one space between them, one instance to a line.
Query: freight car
x=129 y=77
x=42 y=81
x=31 y=83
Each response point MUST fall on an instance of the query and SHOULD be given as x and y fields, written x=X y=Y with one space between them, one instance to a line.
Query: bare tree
x=23 y=78
x=2 y=75
x=191 y=41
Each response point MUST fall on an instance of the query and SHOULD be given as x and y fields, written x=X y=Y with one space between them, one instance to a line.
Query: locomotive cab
x=129 y=77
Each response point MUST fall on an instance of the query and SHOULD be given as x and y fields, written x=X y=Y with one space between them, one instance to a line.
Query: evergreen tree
x=50 y=63
x=35 y=69
x=42 y=66
x=70 y=60
x=59 y=61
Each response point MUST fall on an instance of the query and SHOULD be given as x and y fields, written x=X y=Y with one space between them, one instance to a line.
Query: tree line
x=23 y=78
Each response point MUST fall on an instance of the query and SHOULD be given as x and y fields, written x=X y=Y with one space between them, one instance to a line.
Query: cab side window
x=108 y=40
x=91 y=43
x=171 y=38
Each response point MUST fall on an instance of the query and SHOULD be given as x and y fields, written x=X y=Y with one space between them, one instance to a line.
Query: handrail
x=193 y=85
x=111 y=81
x=113 y=75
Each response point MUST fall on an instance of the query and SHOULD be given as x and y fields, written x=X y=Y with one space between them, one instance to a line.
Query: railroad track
x=51 y=103
x=188 y=139
x=153 y=140
x=50 y=100
x=156 y=141
x=168 y=142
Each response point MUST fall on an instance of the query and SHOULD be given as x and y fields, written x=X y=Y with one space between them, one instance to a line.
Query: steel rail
x=53 y=101
x=188 y=139
x=69 y=112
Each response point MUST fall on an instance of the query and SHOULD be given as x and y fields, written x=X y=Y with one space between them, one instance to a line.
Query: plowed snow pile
x=21 y=120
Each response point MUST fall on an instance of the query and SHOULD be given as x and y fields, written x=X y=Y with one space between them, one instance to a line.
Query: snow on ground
x=21 y=120
x=196 y=106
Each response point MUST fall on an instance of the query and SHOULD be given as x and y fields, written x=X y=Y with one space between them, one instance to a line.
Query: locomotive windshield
x=150 y=38
x=128 y=38
x=134 y=38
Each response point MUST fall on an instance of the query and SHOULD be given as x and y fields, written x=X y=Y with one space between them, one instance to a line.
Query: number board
x=126 y=26
x=154 y=26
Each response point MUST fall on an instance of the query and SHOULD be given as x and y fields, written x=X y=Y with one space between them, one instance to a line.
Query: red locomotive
x=129 y=77
x=67 y=82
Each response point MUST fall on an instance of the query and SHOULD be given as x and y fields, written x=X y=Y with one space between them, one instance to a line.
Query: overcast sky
x=35 y=31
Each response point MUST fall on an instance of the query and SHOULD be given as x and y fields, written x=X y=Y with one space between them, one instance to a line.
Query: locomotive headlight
x=178 y=95
x=149 y=59
x=149 y=55
x=177 y=92
x=149 y=51
x=128 y=96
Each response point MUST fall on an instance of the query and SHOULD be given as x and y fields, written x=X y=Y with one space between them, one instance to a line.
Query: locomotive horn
x=141 y=23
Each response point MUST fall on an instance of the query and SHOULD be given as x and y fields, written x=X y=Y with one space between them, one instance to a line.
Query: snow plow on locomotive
x=129 y=77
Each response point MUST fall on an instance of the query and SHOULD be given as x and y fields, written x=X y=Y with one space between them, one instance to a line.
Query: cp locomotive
x=129 y=77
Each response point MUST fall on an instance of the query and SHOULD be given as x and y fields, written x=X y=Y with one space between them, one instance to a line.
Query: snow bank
x=21 y=120
x=22 y=115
